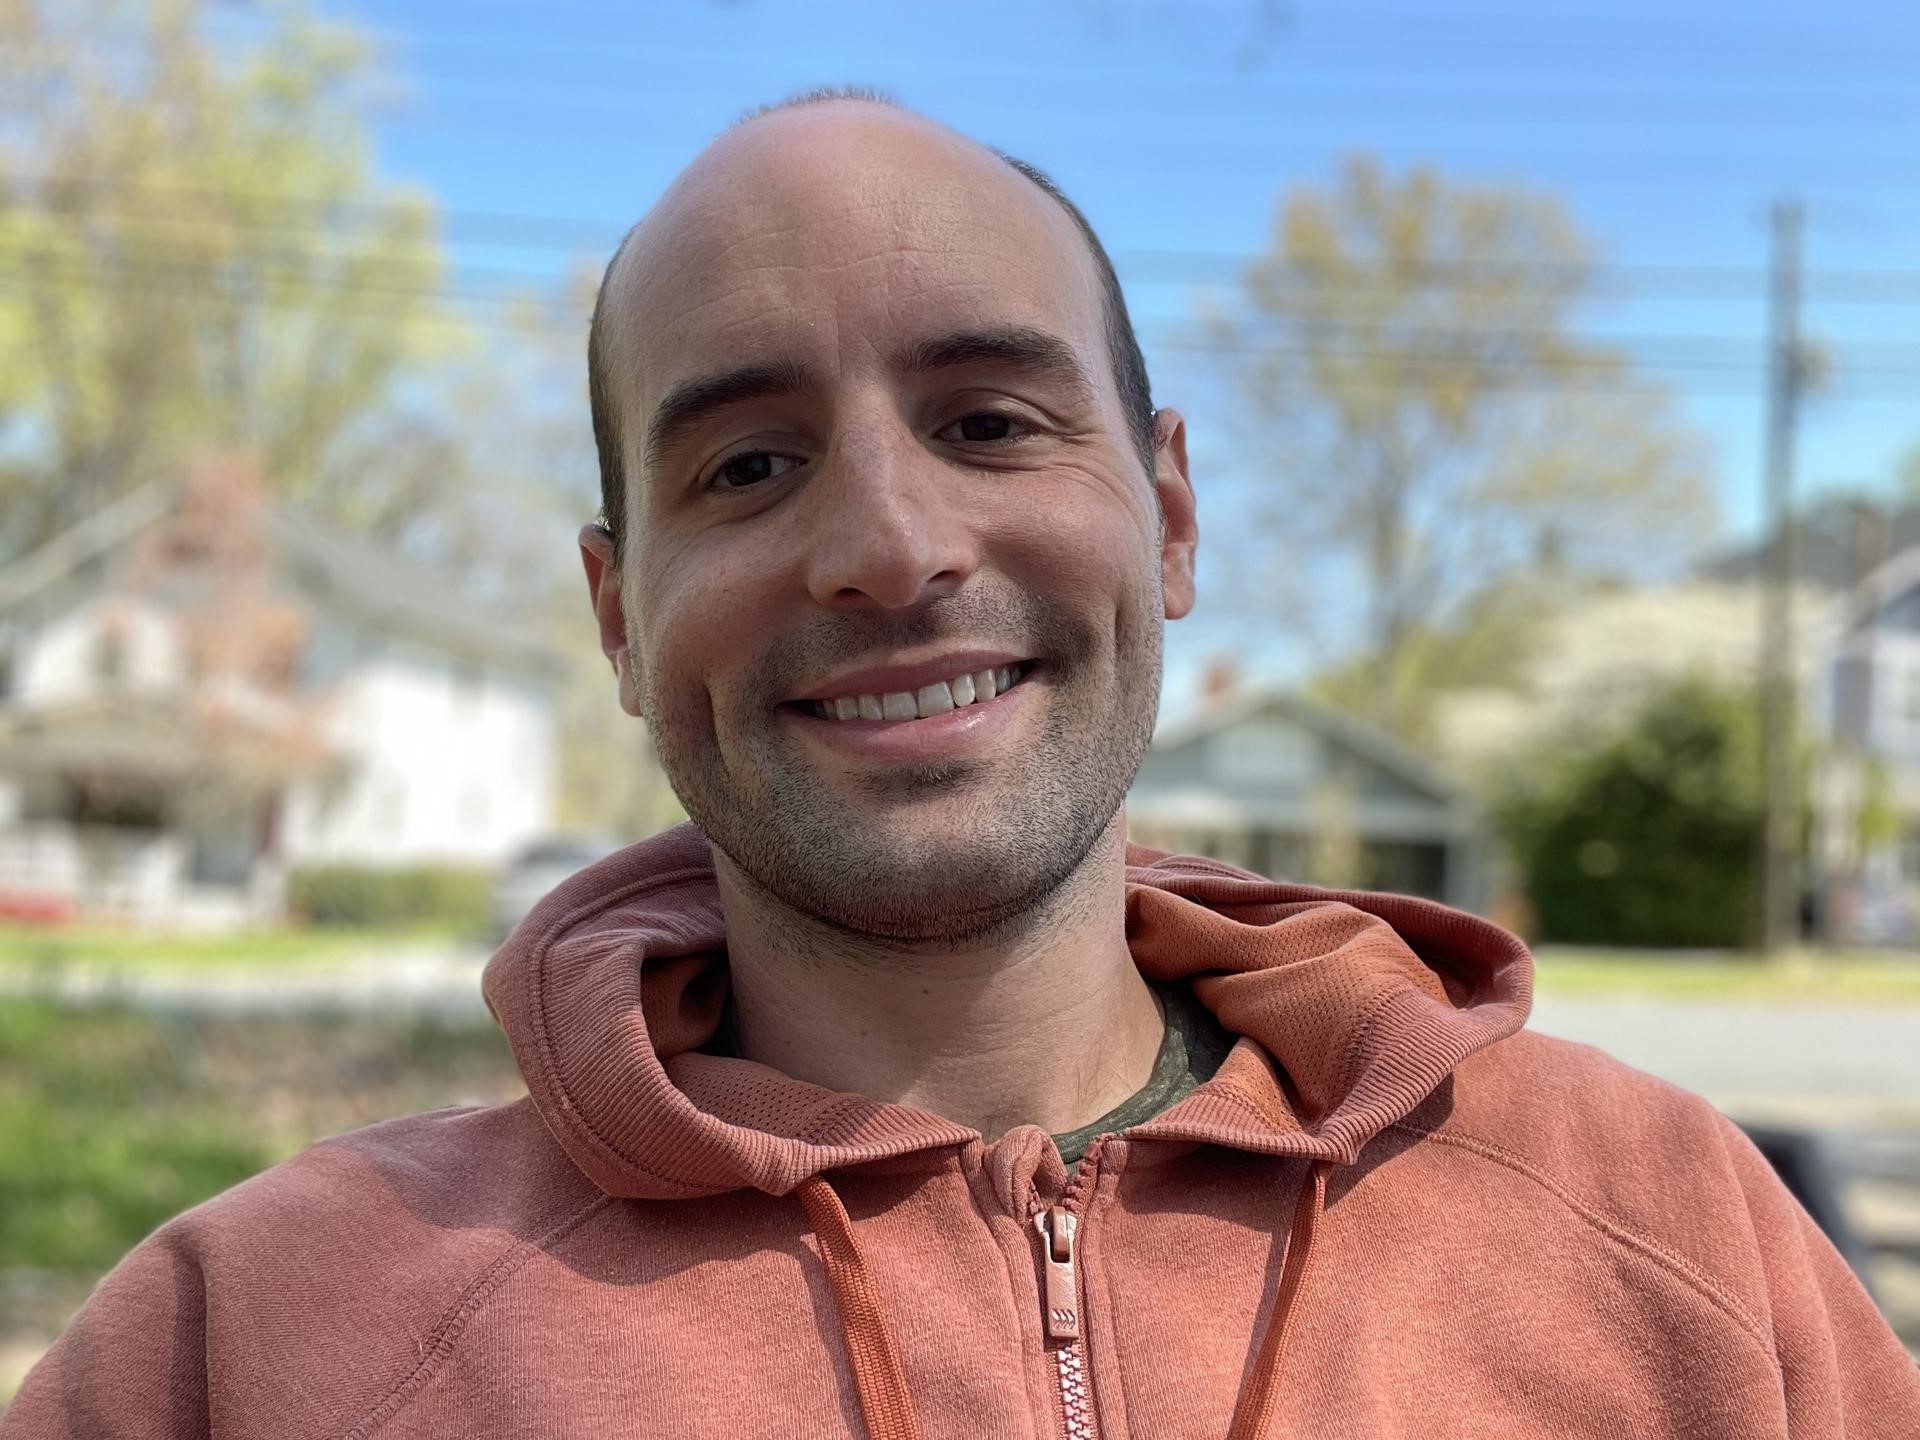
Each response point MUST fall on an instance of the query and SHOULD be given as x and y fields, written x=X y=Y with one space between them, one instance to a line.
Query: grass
x=105 y=1131
x=112 y=1121
x=1803 y=977
x=36 y=947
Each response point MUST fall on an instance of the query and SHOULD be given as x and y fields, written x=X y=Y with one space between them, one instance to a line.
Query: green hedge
x=439 y=895
x=1649 y=838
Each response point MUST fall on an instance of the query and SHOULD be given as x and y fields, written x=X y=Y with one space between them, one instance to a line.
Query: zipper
x=1060 y=1297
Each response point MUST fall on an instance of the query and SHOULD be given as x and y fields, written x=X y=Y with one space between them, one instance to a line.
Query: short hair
x=1129 y=366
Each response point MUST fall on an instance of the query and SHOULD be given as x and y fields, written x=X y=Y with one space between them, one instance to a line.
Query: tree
x=201 y=262
x=1429 y=426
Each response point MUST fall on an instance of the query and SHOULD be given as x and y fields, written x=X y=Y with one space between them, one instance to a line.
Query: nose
x=890 y=529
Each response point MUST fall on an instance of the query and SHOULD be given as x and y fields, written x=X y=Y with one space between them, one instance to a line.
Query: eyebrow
x=693 y=401
x=1014 y=347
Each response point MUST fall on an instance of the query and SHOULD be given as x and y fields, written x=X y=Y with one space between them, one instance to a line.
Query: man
x=900 y=1098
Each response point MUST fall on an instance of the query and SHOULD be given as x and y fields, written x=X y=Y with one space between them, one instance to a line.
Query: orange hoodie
x=1390 y=1213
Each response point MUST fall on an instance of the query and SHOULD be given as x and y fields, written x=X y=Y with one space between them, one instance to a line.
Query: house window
x=109 y=656
x=1269 y=755
x=222 y=852
x=1908 y=698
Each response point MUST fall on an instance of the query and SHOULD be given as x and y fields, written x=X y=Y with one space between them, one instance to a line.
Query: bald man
x=896 y=1095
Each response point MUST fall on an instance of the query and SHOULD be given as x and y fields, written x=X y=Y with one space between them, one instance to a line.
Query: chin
x=933 y=881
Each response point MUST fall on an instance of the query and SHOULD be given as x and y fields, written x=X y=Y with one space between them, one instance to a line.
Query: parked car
x=537 y=868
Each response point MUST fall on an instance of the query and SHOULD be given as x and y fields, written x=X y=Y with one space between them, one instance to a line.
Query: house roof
x=1344 y=728
x=361 y=578
x=355 y=576
x=1836 y=543
x=105 y=530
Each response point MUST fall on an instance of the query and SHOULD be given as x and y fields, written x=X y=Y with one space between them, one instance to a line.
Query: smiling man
x=897 y=1096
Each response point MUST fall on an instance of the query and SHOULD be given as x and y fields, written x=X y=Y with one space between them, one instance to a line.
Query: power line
x=295 y=216
x=1518 y=373
x=1730 y=41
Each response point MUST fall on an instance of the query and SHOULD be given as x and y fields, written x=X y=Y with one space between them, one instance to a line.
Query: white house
x=147 y=774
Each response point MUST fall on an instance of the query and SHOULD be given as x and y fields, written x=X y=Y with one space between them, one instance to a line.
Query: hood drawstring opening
x=878 y=1376
x=881 y=1380
x=1253 y=1415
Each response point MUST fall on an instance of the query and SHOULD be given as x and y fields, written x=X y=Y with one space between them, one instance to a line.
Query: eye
x=983 y=429
x=755 y=467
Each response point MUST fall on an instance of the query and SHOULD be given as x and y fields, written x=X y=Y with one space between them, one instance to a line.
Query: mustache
x=1017 y=620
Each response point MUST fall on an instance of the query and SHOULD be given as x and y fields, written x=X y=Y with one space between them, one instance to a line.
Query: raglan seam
x=446 y=1333
x=1678 y=1266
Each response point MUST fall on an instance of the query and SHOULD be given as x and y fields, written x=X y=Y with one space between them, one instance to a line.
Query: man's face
x=894 y=577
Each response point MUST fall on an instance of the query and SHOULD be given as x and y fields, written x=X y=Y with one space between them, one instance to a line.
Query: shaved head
x=608 y=356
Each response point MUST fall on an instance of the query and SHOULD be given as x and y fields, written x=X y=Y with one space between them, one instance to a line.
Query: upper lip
x=885 y=679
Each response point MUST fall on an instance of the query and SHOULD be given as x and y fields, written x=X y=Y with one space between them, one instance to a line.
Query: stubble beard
x=871 y=867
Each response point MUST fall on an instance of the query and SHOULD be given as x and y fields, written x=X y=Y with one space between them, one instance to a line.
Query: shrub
x=455 y=897
x=1650 y=838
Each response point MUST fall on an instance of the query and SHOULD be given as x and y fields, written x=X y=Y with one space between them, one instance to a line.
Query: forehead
x=833 y=237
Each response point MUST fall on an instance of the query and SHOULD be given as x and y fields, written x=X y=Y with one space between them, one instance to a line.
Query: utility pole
x=1780 y=870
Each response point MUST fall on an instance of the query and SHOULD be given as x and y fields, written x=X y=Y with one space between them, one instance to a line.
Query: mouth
x=941 y=697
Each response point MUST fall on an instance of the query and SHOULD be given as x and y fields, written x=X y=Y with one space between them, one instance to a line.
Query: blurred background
x=1553 y=381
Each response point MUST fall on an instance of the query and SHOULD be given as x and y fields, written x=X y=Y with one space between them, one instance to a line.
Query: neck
x=1047 y=1024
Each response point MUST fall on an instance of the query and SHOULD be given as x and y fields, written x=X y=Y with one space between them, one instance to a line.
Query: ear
x=603 y=591
x=1180 y=532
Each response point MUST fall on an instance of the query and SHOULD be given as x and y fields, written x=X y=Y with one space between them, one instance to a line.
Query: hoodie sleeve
x=1843 y=1372
x=132 y=1363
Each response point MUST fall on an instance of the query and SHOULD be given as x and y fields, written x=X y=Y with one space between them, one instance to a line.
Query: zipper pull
x=1057 y=1227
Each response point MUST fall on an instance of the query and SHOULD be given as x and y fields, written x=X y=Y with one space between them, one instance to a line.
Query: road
x=1853 y=1062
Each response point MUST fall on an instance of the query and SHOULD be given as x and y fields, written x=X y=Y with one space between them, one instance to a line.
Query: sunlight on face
x=895 y=572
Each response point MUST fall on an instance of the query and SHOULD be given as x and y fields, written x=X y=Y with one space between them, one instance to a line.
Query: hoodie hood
x=1352 y=1007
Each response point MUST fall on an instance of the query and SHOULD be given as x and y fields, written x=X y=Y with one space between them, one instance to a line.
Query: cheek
x=1089 y=557
x=699 y=619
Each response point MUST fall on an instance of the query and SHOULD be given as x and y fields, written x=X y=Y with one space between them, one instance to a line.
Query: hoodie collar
x=1352 y=1008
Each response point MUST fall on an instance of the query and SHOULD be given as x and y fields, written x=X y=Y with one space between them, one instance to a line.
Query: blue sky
x=545 y=129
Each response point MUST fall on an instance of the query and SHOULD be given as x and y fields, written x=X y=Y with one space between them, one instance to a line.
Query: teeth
x=935 y=699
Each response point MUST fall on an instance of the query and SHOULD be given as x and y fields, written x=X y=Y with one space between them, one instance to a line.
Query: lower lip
x=936 y=737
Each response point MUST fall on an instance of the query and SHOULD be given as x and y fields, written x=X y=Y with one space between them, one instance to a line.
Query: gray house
x=1296 y=789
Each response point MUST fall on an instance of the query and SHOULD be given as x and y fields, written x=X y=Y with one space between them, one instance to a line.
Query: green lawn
x=34 y=947
x=112 y=1121
x=1805 y=977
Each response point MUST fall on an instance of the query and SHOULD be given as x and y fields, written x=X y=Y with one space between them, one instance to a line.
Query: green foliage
x=106 y=1131
x=1648 y=838
x=449 y=896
